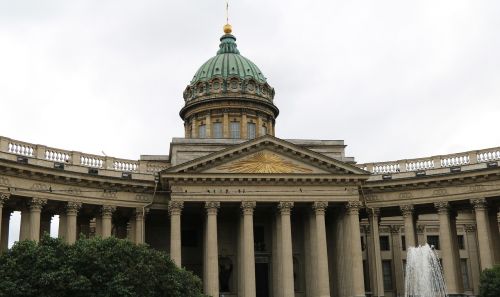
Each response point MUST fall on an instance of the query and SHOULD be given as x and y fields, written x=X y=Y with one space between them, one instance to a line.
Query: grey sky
x=394 y=79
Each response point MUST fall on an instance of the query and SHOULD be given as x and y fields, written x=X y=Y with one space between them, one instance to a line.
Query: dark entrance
x=262 y=279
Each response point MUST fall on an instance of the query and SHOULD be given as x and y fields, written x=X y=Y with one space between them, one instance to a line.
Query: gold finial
x=228 y=29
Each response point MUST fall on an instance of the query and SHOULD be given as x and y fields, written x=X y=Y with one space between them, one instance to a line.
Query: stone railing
x=45 y=153
x=434 y=162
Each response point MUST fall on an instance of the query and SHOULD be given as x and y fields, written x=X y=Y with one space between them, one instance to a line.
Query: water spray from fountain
x=424 y=276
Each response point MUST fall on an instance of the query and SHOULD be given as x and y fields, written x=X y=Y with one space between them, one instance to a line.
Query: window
x=465 y=274
x=384 y=243
x=403 y=242
x=218 y=130
x=461 y=243
x=202 y=131
x=387 y=274
x=251 y=130
x=263 y=130
x=235 y=130
x=433 y=240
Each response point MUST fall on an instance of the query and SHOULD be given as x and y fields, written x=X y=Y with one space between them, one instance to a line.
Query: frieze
x=4 y=181
x=74 y=191
x=406 y=195
x=436 y=230
x=109 y=194
x=40 y=187
x=476 y=188
x=371 y=197
x=440 y=192
x=143 y=197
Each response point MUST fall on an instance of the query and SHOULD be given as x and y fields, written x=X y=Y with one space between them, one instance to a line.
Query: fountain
x=424 y=277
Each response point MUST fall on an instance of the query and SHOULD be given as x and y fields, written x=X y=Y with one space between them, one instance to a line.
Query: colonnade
x=283 y=270
x=486 y=242
x=34 y=220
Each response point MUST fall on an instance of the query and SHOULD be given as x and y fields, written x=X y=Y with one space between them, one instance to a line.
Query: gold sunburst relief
x=264 y=162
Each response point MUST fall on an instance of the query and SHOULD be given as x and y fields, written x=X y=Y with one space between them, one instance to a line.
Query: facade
x=255 y=215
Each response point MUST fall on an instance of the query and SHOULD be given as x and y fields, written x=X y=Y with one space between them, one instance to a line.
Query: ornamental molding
x=470 y=228
x=74 y=191
x=479 y=203
x=440 y=192
x=476 y=188
x=264 y=162
x=3 y=198
x=109 y=194
x=175 y=207
x=319 y=207
x=407 y=210
x=285 y=207
x=107 y=210
x=406 y=195
x=371 y=197
x=143 y=197
x=395 y=229
x=247 y=207
x=353 y=207
x=72 y=207
x=40 y=187
x=4 y=181
x=212 y=207
x=443 y=207
x=420 y=229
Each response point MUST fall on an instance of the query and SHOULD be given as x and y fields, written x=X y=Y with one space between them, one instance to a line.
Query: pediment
x=266 y=155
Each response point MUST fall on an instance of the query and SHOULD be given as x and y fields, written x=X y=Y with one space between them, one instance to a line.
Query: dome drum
x=222 y=87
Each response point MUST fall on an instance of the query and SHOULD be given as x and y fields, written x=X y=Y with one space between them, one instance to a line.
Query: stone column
x=175 y=209
x=376 y=259
x=248 y=254
x=357 y=278
x=211 y=259
x=470 y=233
x=106 y=216
x=3 y=198
x=483 y=237
x=323 y=282
x=35 y=206
x=72 y=209
x=448 y=249
x=208 y=127
x=61 y=232
x=4 y=235
x=24 y=232
x=421 y=235
x=285 y=209
x=244 y=124
x=397 y=258
x=225 y=124
x=139 y=236
x=407 y=211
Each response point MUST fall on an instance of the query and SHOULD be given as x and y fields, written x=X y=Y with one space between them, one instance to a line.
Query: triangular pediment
x=266 y=155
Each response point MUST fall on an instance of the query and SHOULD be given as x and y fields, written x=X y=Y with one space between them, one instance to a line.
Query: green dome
x=228 y=63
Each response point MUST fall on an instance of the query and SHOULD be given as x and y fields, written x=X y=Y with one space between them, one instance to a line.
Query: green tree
x=92 y=268
x=489 y=285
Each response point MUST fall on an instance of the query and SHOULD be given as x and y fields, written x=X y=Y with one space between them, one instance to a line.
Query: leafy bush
x=92 y=268
x=489 y=285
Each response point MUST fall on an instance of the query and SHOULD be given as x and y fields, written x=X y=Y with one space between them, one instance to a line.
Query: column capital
x=285 y=207
x=395 y=229
x=373 y=211
x=420 y=229
x=247 y=207
x=479 y=203
x=470 y=228
x=406 y=210
x=72 y=207
x=4 y=197
x=107 y=210
x=319 y=207
x=139 y=214
x=175 y=207
x=353 y=207
x=212 y=207
x=37 y=203
x=443 y=207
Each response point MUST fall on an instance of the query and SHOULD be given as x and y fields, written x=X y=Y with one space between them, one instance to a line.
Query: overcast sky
x=394 y=79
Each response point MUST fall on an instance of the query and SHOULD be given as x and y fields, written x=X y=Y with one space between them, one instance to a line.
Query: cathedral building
x=258 y=216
